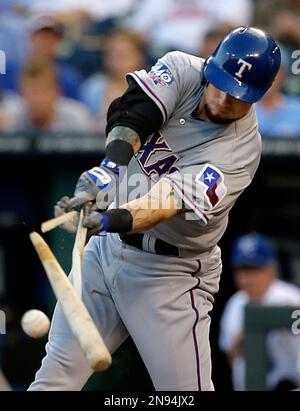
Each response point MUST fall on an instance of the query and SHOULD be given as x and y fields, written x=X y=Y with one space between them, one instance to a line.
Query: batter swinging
x=188 y=131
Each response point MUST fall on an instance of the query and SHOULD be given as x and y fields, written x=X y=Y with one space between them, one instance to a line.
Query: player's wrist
x=112 y=221
x=117 y=220
x=119 y=152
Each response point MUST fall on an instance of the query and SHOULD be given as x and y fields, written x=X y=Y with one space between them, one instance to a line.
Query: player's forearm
x=122 y=143
x=144 y=219
x=131 y=119
x=159 y=205
x=126 y=135
x=142 y=214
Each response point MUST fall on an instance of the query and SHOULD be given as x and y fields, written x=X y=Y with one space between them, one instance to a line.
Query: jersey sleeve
x=208 y=190
x=163 y=82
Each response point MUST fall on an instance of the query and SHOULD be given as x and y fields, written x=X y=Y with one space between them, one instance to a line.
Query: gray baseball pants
x=163 y=302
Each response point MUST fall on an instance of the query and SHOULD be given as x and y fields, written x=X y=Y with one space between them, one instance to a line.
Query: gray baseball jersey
x=208 y=164
x=163 y=302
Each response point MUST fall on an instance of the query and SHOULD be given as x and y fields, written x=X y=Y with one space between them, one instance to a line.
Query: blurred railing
x=49 y=144
x=259 y=321
x=65 y=143
x=281 y=147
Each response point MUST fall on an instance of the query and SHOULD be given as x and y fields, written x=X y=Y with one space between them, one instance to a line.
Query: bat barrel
x=74 y=310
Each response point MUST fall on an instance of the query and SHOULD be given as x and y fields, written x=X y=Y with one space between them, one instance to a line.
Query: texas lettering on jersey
x=161 y=165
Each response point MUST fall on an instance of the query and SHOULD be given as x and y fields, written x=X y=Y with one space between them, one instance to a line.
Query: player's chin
x=219 y=117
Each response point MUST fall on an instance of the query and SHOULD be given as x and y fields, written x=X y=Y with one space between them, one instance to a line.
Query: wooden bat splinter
x=55 y=222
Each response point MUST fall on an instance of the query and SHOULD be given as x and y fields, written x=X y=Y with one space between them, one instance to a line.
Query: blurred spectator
x=13 y=30
x=255 y=269
x=279 y=114
x=125 y=52
x=46 y=39
x=96 y=9
x=283 y=22
x=213 y=37
x=44 y=110
x=181 y=24
x=87 y=23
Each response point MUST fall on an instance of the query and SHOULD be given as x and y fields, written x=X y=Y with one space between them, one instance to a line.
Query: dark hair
x=132 y=36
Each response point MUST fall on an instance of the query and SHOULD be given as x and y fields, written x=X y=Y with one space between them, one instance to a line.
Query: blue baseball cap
x=252 y=250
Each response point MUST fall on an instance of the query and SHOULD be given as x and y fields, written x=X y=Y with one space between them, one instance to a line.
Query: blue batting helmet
x=253 y=250
x=245 y=64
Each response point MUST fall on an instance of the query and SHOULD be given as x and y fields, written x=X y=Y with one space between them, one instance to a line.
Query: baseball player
x=187 y=133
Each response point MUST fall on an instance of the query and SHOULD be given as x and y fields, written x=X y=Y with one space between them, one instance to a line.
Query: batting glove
x=60 y=209
x=98 y=184
x=95 y=222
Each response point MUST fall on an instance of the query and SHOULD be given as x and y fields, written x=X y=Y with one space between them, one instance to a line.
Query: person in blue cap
x=254 y=263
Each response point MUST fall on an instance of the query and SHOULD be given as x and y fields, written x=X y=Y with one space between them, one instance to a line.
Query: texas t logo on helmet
x=244 y=64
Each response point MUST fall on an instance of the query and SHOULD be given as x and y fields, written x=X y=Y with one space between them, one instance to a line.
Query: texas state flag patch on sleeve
x=212 y=180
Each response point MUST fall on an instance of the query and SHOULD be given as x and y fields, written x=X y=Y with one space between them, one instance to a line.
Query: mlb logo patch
x=161 y=76
x=212 y=180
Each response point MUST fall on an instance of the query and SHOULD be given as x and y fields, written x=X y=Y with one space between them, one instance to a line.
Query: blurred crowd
x=67 y=60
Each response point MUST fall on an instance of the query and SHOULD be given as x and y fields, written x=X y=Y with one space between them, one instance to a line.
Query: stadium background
x=90 y=47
